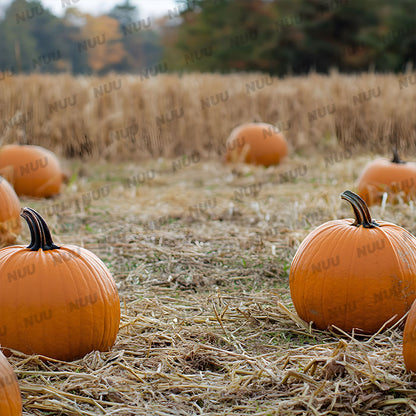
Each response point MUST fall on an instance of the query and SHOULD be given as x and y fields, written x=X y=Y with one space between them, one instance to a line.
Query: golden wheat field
x=201 y=250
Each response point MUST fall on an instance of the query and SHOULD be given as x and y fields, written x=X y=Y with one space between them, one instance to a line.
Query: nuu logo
x=136 y=26
x=38 y=318
x=276 y=129
x=325 y=264
x=174 y=115
x=154 y=70
x=366 y=96
x=370 y=248
x=47 y=58
x=341 y=310
x=128 y=132
x=244 y=38
x=230 y=147
x=65 y=256
x=202 y=208
x=321 y=112
x=292 y=174
x=68 y=3
x=185 y=161
x=214 y=99
x=251 y=190
x=21 y=273
x=91 y=43
x=63 y=103
x=29 y=14
x=198 y=55
x=107 y=88
x=34 y=166
x=258 y=84
x=404 y=82
x=83 y=301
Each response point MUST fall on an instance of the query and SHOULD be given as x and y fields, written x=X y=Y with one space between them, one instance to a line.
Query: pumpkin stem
x=39 y=231
x=396 y=158
x=362 y=214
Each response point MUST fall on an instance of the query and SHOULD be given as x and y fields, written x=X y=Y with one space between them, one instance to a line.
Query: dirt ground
x=201 y=253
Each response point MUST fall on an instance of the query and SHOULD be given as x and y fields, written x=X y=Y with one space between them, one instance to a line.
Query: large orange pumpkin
x=256 y=143
x=10 y=225
x=10 y=396
x=354 y=273
x=395 y=177
x=32 y=170
x=61 y=302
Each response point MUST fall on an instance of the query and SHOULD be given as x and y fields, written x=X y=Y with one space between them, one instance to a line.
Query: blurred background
x=271 y=36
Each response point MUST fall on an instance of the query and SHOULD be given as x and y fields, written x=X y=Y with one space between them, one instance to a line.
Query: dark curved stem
x=32 y=226
x=396 y=158
x=39 y=231
x=362 y=214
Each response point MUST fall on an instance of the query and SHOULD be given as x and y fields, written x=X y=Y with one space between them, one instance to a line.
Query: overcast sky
x=146 y=7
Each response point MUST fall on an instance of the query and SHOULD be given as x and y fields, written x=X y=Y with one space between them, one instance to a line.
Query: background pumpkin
x=354 y=274
x=61 y=302
x=257 y=143
x=32 y=170
x=394 y=177
x=10 y=396
x=10 y=224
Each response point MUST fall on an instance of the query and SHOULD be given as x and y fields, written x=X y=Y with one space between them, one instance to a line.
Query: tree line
x=274 y=36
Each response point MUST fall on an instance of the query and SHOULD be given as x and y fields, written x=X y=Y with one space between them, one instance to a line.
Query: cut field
x=201 y=253
x=125 y=117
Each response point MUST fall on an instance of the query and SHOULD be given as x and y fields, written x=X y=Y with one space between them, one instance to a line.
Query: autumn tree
x=100 y=39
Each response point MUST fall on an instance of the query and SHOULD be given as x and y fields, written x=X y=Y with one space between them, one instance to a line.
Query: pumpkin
x=256 y=143
x=409 y=340
x=32 y=170
x=396 y=177
x=354 y=273
x=10 y=396
x=60 y=302
x=10 y=225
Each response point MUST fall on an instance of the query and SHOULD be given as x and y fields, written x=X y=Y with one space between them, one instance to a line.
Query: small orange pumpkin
x=354 y=273
x=10 y=225
x=256 y=143
x=10 y=396
x=395 y=177
x=32 y=170
x=61 y=302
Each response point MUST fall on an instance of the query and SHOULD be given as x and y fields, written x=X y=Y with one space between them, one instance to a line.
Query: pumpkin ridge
x=323 y=229
x=96 y=269
x=347 y=317
x=402 y=241
x=94 y=272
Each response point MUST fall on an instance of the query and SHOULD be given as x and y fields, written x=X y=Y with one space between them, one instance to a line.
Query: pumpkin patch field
x=199 y=246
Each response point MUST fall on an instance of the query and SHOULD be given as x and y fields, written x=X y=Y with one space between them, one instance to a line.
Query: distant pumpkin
x=396 y=177
x=10 y=396
x=256 y=143
x=10 y=224
x=32 y=170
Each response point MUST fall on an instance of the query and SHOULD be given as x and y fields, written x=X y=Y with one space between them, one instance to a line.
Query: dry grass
x=207 y=322
x=77 y=117
x=201 y=251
